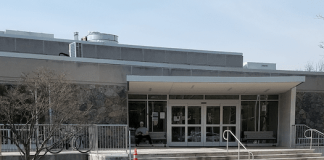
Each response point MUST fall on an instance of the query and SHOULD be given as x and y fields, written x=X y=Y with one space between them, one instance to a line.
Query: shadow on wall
x=310 y=109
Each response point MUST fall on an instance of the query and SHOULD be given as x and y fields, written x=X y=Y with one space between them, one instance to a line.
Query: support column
x=286 y=111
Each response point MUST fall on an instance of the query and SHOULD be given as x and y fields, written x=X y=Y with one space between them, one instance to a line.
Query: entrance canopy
x=211 y=85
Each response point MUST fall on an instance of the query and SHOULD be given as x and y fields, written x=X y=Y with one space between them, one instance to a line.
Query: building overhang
x=211 y=85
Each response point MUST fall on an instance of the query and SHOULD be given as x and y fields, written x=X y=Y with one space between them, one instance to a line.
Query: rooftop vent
x=255 y=65
x=102 y=37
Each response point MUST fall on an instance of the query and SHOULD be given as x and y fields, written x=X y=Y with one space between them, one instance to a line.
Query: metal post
x=227 y=141
x=311 y=139
x=0 y=140
x=238 y=154
x=317 y=140
x=129 y=143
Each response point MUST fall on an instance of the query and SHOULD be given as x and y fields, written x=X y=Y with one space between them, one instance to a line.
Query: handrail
x=238 y=153
x=311 y=136
x=129 y=143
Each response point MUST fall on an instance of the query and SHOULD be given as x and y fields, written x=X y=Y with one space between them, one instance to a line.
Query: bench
x=262 y=135
x=156 y=137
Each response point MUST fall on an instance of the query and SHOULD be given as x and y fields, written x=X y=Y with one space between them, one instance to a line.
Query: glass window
x=157 y=97
x=262 y=97
x=186 y=96
x=137 y=96
x=213 y=115
x=249 y=118
x=158 y=119
x=178 y=115
x=229 y=115
x=230 y=136
x=249 y=97
x=222 y=97
x=178 y=134
x=212 y=134
x=194 y=134
x=137 y=113
x=269 y=116
x=194 y=115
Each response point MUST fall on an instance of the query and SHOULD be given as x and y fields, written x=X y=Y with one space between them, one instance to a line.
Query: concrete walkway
x=168 y=150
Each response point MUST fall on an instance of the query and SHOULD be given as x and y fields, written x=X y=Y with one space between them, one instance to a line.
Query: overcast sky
x=285 y=32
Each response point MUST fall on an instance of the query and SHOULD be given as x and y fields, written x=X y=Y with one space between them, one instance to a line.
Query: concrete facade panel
x=29 y=46
x=256 y=74
x=286 y=118
x=131 y=54
x=204 y=73
x=89 y=51
x=7 y=44
x=108 y=52
x=147 y=71
x=113 y=73
x=197 y=58
x=151 y=55
x=216 y=60
x=180 y=72
x=234 y=61
x=14 y=67
x=79 y=71
x=55 y=48
x=230 y=74
x=166 y=71
x=312 y=84
x=176 y=57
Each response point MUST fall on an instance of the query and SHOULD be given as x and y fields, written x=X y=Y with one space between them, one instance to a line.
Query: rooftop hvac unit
x=75 y=49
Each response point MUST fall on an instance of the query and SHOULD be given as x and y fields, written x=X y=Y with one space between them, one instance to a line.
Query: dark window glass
x=194 y=134
x=137 y=96
x=194 y=115
x=230 y=136
x=178 y=115
x=158 y=119
x=186 y=97
x=137 y=113
x=229 y=115
x=248 y=97
x=222 y=96
x=158 y=97
x=213 y=115
x=269 y=97
x=212 y=134
x=262 y=97
x=178 y=134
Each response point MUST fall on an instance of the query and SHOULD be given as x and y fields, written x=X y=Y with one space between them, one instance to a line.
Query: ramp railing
x=239 y=144
x=299 y=137
x=100 y=137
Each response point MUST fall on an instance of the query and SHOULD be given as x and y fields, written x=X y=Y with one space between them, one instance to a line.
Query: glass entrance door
x=202 y=125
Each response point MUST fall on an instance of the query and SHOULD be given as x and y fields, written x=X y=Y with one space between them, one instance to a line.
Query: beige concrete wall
x=286 y=118
x=77 y=72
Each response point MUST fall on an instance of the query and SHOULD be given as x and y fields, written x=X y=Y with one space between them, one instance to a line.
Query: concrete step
x=228 y=158
x=291 y=154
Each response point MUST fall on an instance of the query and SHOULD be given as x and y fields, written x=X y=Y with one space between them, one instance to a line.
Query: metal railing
x=111 y=137
x=97 y=137
x=300 y=129
x=239 y=144
x=306 y=137
x=41 y=136
x=315 y=135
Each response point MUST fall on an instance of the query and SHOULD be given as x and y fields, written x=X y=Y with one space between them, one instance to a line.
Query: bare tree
x=42 y=96
x=309 y=67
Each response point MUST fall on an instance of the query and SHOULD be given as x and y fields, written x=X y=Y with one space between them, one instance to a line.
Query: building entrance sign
x=201 y=124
